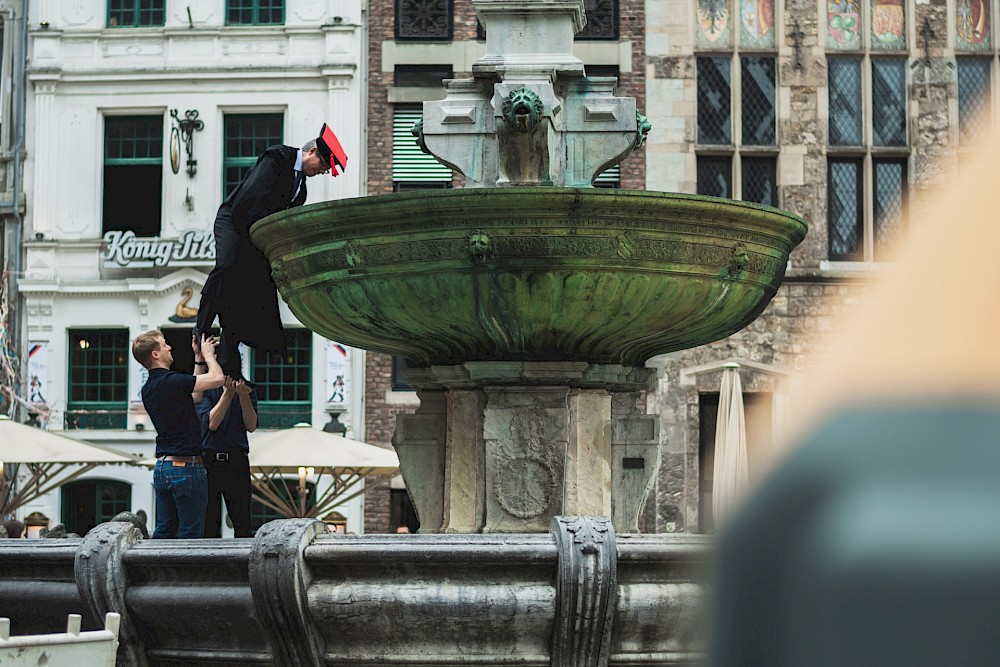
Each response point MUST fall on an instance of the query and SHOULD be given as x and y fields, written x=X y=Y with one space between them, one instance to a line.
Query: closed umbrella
x=50 y=459
x=730 y=479
x=312 y=454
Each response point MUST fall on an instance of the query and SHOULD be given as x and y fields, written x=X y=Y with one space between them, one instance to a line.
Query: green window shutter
x=409 y=163
x=610 y=177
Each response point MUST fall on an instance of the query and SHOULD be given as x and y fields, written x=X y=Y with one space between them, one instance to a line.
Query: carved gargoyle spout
x=522 y=109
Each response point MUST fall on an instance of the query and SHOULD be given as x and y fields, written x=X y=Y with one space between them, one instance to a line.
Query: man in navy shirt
x=179 y=481
x=227 y=415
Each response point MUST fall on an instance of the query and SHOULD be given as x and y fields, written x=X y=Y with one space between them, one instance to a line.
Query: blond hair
x=144 y=346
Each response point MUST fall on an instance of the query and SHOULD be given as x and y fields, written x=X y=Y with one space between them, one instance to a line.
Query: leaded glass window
x=757 y=100
x=845 y=101
x=135 y=13
x=746 y=173
x=424 y=19
x=98 y=379
x=245 y=137
x=889 y=187
x=760 y=180
x=715 y=176
x=284 y=391
x=973 y=99
x=844 y=201
x=255 y=12
x=133 y=174
x=714 y=105
x=888 y=102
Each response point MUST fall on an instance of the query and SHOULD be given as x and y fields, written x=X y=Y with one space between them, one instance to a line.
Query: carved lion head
x=522 y=109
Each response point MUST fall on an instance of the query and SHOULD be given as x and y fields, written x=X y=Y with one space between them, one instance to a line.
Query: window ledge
x=854 y=267
x=401 y=397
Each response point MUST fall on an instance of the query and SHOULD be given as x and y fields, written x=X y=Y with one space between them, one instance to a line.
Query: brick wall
x=380 y=423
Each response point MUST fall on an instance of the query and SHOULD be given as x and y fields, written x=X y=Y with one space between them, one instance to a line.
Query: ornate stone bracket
x=278 y=582
x=586 y=591
x=102 y=581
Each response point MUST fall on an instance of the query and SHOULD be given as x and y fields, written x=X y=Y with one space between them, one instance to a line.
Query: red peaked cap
x=331 y=150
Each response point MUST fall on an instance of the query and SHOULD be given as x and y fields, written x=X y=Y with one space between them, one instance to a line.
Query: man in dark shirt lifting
x=179 y=480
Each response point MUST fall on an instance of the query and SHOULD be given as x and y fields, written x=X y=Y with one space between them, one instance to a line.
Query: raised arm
x=214 y=377
x=246 y=406
x=220 y=409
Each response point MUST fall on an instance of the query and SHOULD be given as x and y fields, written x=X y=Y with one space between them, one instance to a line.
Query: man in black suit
x=240 y=289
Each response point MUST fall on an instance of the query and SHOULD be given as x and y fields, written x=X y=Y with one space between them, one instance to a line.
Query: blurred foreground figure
x=877 y=541
x=876 y=544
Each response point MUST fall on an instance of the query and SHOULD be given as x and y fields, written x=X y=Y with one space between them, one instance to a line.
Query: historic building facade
x=847 y=113
x=142 y=116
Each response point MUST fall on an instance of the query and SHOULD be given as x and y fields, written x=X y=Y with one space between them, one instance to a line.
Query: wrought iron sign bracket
x=187 y=126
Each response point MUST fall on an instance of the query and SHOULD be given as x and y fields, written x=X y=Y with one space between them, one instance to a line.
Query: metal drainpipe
x=19 y=89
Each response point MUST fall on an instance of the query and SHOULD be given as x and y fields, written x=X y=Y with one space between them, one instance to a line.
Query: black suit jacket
x=240 y=288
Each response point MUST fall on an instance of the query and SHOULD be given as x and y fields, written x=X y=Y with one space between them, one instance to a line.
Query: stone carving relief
x=525 y=482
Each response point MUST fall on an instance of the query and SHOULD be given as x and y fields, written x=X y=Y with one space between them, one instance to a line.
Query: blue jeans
x=181 y=495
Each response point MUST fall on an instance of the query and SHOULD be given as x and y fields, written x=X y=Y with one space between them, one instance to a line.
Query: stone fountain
x=528 y=303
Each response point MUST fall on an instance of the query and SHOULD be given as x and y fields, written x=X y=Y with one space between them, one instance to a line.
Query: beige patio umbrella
x=50 y=459
x=730 y=479
x=310 y=454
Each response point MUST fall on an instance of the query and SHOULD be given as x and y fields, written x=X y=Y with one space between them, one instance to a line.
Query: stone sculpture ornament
x=643 y=126
x=522 y=109
x=480 y=247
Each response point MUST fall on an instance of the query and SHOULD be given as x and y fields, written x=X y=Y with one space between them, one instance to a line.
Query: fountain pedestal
x=504 y=447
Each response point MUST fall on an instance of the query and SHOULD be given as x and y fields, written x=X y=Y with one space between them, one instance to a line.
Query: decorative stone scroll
x=586 y=591
x=102 y=581
x=278 y=582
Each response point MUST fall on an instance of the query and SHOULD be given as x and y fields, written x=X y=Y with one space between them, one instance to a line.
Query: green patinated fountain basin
x=518 y=274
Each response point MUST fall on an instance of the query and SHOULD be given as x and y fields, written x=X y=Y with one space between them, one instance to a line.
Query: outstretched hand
x=208 y=344
x=242 y=388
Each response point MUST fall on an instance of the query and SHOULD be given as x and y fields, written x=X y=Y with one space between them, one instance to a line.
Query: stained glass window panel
x=888 y=102
x=757 y=24
x=760 y=181
x=844 y=210
x=715 y=176
x=972 y=25
x=757 y=100
x=888 y=21
x=713 y=27
x=889 y=187
x=845 y=101
x=843 y=24
x=973 y=99
x=714 y=110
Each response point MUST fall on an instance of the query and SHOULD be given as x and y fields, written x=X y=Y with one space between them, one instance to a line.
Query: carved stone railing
x=295 y=595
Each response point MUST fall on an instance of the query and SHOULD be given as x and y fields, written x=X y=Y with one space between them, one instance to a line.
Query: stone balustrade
x=296 y=595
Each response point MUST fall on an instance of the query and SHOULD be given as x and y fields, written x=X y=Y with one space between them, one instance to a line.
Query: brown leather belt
x=180 y=460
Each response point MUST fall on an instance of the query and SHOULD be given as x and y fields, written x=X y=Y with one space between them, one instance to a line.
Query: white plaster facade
x=311 y=70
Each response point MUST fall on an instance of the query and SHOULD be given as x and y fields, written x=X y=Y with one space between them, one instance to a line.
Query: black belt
x=223 y=457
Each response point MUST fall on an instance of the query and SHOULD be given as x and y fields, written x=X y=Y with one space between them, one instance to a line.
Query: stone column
x=505 y=447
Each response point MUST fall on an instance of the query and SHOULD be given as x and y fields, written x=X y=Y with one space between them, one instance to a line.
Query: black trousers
x=230 y=480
